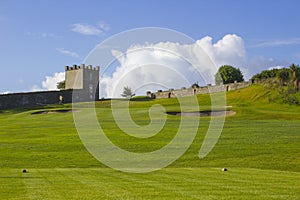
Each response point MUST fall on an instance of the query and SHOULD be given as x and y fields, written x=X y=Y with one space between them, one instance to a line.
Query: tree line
x=285 y=81
x=284 y=76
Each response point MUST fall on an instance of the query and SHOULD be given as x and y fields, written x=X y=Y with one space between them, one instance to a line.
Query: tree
x=195 y=85
x=127 y=92
x=283 y=76
x=265 y=74
x=61 y=85
x=228 y=74
x=295 y=76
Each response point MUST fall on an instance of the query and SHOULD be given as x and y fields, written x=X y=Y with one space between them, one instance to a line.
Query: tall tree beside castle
x=228 y=74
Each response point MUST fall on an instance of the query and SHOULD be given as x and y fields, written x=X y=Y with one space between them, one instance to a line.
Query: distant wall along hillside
x=198 y=90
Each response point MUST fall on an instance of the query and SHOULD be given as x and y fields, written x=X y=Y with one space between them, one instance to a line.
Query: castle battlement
x=84 y=78
x=82 y=66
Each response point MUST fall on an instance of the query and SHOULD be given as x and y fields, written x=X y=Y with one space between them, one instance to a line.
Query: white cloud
x=50 y=82
x=276 y=67
x=43 y=35
x=161 y=65
x=279 y=42
x=67 y=52
x=35 y=88
x=86 y=29
x=142 y=66
x=104 y=26
x=230 y=50
x=50 y=35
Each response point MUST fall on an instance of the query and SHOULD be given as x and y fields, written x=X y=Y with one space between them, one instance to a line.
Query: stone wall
x=31 y=99
x=198 y=90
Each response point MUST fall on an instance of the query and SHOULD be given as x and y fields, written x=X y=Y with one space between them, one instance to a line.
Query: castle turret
x=85 y=78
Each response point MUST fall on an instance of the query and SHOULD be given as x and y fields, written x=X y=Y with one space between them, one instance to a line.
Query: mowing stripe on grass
x=169 y=183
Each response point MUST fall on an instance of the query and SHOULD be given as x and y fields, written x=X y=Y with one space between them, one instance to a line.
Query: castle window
x=91 y=76
x=91 y=88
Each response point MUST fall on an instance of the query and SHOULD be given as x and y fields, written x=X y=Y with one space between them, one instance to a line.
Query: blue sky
x=39 y=37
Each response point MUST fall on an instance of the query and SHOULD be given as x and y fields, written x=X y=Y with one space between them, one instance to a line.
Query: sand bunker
x=214 y=113
x=54 y=111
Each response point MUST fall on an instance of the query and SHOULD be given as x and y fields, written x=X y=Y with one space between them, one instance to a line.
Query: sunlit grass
x=260 y=146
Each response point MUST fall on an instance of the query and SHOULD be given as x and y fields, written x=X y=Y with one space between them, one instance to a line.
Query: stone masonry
x=82 y=85
x=198 y=90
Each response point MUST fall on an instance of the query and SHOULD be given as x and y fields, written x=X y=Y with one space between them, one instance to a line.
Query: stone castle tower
x=84 y=80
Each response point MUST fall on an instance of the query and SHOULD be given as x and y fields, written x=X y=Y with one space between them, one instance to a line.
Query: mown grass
x=260 y=146
x=169 y=183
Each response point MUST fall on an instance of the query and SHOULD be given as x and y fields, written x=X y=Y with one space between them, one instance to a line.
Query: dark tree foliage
x=295 y=76
x=283 y=76
x=61 y=85
x=195 y=85
x=228 y=74
x=265 y=74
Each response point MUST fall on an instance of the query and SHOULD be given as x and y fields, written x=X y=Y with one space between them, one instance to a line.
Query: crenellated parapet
x=85 y=78
x=82 y=66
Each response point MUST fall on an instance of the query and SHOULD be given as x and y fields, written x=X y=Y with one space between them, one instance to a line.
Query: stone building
x=81 y=85
x=84 y=80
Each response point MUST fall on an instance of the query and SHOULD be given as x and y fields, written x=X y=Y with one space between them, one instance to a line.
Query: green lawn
x=169 y=183
x=260 y=146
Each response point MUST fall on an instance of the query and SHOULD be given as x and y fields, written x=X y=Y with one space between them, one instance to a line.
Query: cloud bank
x=168 y=65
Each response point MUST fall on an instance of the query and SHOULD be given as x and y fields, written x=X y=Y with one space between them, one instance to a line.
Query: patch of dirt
x=54 y=111
x=214 y=113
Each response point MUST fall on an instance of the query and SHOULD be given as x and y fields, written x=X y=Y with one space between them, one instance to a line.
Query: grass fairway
x=260 y=146
x=169 y=183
